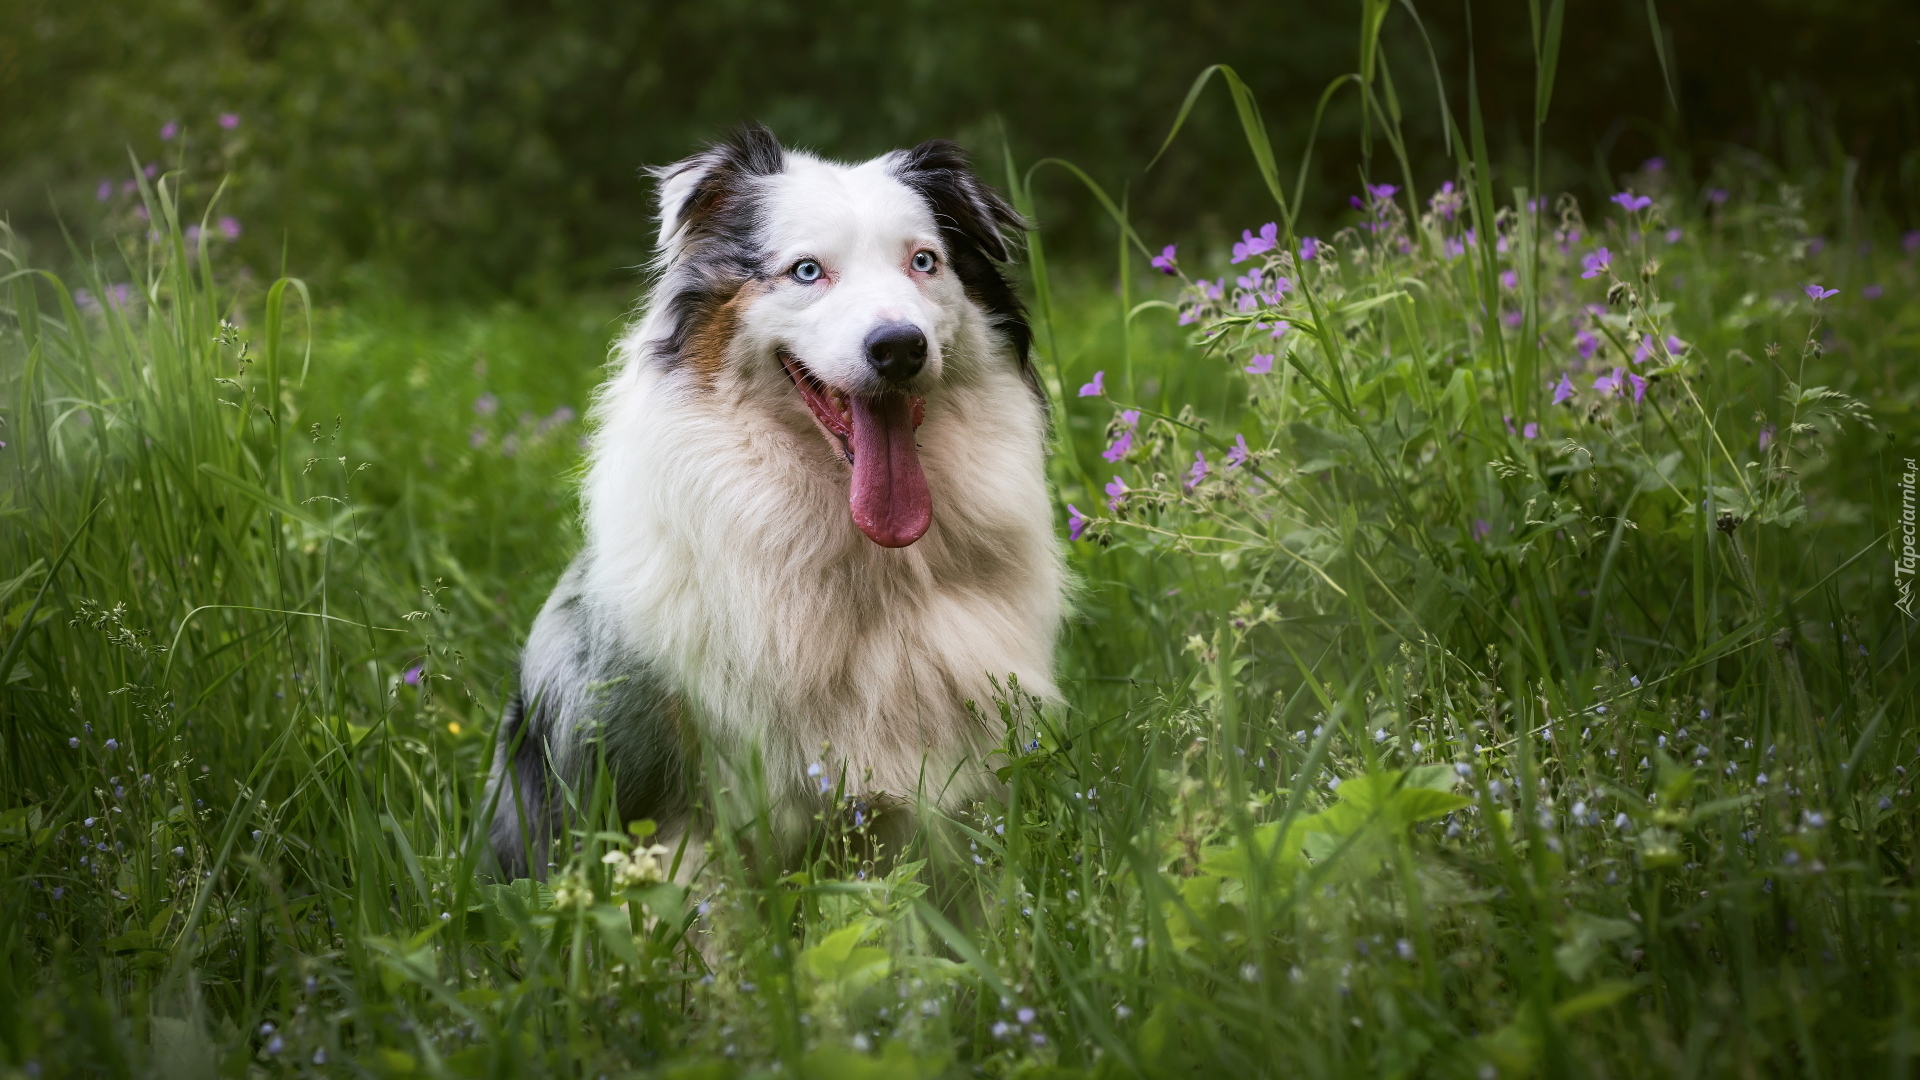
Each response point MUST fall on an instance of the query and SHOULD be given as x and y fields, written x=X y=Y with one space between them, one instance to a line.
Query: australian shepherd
x=816 y=513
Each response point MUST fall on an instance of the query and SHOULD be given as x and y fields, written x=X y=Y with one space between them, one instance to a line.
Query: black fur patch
x=719 y=229
x=974 y=221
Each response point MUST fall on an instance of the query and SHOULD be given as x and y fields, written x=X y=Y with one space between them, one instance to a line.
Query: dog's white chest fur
x=729 y=562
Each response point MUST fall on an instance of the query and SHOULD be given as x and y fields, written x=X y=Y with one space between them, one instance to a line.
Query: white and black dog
x=816 y=512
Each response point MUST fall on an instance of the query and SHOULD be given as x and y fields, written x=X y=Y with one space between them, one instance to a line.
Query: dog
x=816 y=513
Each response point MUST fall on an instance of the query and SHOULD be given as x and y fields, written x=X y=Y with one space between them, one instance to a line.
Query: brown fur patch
x=713 y=330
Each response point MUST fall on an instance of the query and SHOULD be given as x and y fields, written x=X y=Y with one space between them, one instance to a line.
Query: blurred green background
x=486 y=146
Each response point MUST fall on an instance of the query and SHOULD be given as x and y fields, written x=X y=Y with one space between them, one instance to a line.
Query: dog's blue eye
x=806 y=270
x=923 y=261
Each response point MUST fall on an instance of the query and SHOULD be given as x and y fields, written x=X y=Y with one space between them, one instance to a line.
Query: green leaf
x=616 y=930
x=1600 y=997
x=1586 y=937
x=841 y=961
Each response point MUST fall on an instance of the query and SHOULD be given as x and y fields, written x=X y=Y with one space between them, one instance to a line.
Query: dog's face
x=842 y=288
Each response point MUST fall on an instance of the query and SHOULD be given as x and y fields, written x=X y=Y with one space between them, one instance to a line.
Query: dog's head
x=846 y=288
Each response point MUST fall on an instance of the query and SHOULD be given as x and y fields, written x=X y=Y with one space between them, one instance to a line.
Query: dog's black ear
x=705 y=193
x=977 y=225
x=966 y=208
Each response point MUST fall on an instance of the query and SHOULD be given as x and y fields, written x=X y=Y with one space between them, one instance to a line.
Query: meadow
x=1486 y=661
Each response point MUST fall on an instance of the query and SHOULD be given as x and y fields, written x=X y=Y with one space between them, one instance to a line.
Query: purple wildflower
x=1766 y=437
x=1531 y=431
x=1250 y=279
x=1119 y=448
x=1130 y=417
x=1116 y=493
x=1453 y=248
x=1586 y=343
x=229 y=120
x=1076 y=522
x=151 y=170
x=1816 y=245
x=1199 y=470
x=1481 y=527
x=1872 y=292
x=1563 y=389
x=1644 y=351
x=1354 y=201
x=1639 y=386
x=1595 y=262
x=1261 y=364
x=1717 y=196
x=1675 y=346
x=1382 y=192
x=1653 y=164
x=1309 y=248
x=104 y=191
x=1610 y=383
x=1910 y=241
x=1673 y=236
x=168 y=130
x=1237 y=453
x=1509 y=279
x=1097 y=387
x=477 y=438
x=230 y=228
x=486 y=405
x=411 y=676
x=1280 y=327
x=1818 y=293
x=1511 y=430
x=1251 y=245
x=1630 y=202
x=1512 y=319
x=1163 y=262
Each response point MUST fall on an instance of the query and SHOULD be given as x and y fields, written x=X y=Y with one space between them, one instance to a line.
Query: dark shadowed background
x=491 y=145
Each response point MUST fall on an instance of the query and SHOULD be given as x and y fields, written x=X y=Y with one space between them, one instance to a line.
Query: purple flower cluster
x=1130 y=422
x=1630 y=202
x=1250 y=245
x=1199 y=470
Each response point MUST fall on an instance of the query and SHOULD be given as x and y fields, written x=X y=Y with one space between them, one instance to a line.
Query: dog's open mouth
x=888 y=496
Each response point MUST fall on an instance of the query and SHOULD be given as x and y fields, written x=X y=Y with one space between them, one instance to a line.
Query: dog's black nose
x=897 y=351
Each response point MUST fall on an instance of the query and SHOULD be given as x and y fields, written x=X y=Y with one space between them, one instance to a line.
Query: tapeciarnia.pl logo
x=1905 y=563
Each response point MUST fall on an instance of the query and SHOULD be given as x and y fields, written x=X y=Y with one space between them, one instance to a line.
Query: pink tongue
x=889 y=498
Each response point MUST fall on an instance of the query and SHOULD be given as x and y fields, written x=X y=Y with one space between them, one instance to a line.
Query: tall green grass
x=1409 y=744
